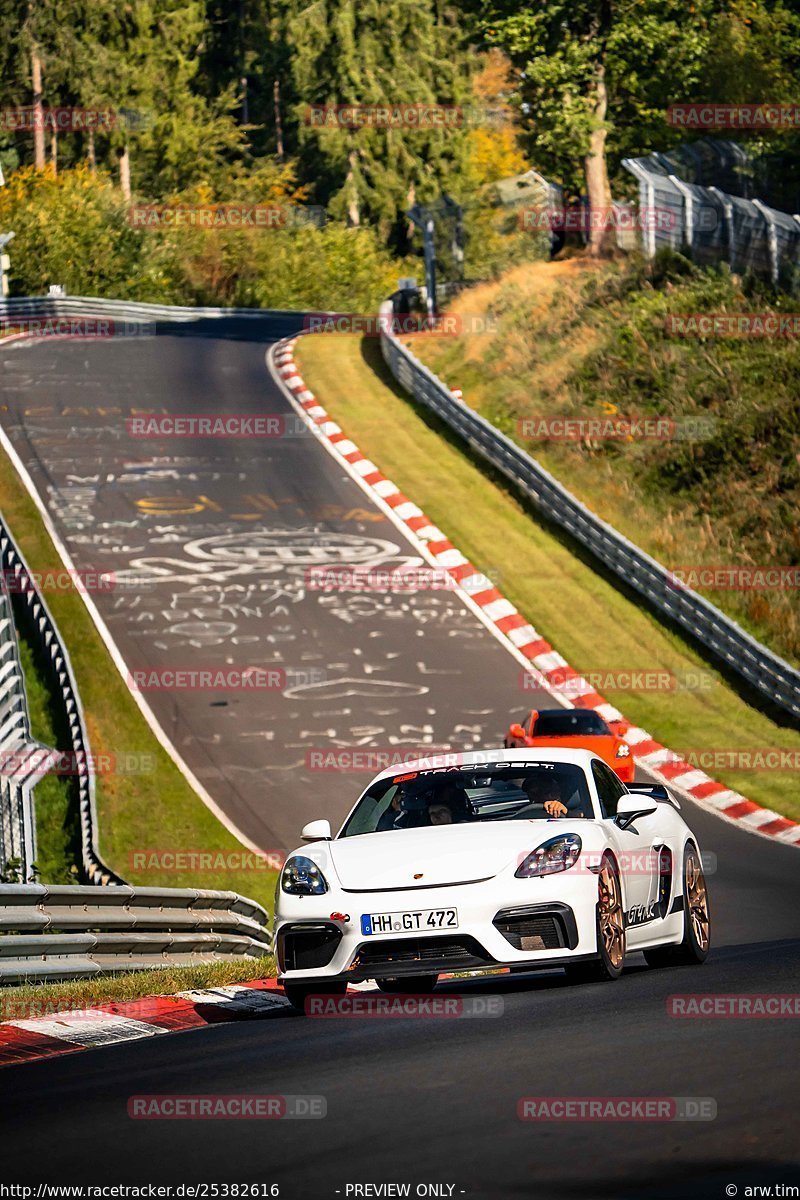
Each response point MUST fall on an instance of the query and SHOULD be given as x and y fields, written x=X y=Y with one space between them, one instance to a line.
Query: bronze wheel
x=697 y=902
x=610 y=918
x=610 y=929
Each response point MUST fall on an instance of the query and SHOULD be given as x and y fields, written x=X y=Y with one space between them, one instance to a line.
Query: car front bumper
x=523 y=923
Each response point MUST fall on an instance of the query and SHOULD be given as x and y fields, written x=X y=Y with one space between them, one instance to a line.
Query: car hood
x=445 y=855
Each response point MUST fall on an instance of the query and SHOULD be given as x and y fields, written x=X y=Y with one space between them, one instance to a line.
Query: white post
x=688 y=210
x=772 y=239
x=727 y=207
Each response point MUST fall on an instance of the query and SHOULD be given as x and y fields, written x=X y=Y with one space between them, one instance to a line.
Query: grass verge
x=43 y=999
x=58 y=838
x=156 y=809
x=586 y=341
x=580 y=611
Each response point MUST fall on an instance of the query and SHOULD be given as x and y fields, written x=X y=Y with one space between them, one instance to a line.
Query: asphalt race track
x=408 y=1100
x=434 y=1101
x=208 y=542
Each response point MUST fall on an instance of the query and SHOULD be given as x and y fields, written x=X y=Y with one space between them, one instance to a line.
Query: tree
x=376 y=53
x=142 y=60
x=595 y=73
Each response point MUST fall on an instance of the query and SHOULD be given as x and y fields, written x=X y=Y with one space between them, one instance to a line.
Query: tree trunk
x=353 y=211
x=598 y=189
x=38 y=115
x=125 y=171
x=276 y=99
x=411 y=199
x=90 y=154
x=54 y=150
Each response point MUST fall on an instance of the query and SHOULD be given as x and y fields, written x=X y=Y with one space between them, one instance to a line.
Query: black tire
x=412 y=985
x=298 y=993
x=610 y=922
x=693 y=949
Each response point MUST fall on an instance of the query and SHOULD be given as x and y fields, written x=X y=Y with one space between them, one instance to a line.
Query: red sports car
x=574 y=728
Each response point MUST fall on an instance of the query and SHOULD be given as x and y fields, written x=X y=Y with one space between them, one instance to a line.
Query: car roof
x=482 y=758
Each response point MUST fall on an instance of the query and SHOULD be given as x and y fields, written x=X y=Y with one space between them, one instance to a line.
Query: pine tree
x=376 y=53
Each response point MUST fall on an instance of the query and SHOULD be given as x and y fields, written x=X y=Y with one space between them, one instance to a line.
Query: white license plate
x=423 y=919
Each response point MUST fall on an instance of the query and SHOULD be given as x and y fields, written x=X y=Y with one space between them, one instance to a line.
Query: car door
x=637 y=860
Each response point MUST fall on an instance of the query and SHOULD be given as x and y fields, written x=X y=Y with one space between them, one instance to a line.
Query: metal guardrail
x=66 y=932
x=23 y=760
x=44 y=629
x=280 y=322
x=772 y=677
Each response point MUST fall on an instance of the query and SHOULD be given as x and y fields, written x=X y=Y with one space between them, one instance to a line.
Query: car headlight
x=558 y=854
x=302 y=877
x=623 y=750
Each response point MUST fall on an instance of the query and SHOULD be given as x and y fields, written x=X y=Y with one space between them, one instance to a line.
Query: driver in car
x=545 y=789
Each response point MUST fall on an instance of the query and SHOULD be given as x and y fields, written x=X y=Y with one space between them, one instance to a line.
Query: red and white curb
x=36 y=1037
x=28 y=1039
x=510 y=626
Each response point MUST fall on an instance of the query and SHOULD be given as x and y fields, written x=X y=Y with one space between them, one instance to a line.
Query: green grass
x=43 y=999
x=583 y=340
x=58 y=850
x=153 y=810
x=581 y=612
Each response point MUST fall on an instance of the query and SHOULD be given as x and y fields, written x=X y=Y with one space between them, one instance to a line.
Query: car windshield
x=566 y=722
x=459 y=796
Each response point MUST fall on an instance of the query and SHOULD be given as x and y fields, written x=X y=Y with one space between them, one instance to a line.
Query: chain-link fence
x=697 y=217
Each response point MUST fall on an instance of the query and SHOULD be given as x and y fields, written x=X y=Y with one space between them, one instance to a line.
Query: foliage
x=581 y=344
x=70 y=229
x=73 y=229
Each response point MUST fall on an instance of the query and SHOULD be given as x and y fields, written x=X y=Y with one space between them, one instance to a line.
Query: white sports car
x=517 y=858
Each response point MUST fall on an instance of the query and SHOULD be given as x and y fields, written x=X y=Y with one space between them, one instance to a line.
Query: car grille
x=538 y=927
x=417 y=956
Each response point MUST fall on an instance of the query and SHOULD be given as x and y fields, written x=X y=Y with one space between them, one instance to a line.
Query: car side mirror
x=316 y=831
x=516 y=731
x=630 y=808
